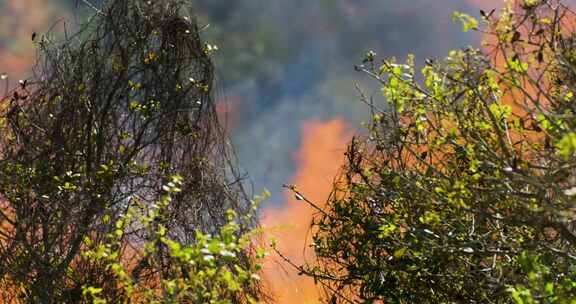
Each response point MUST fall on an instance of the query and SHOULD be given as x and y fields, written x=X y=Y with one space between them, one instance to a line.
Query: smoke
x=287 y=62
x=320 y=156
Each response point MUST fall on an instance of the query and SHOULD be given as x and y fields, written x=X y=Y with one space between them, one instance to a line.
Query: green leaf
x=400 y=252
x=468 y=22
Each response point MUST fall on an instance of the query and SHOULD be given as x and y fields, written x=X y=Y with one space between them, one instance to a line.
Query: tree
x=464 y=190
x=113 y=112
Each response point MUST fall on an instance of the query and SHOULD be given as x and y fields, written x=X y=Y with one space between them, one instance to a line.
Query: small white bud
x=570 y=192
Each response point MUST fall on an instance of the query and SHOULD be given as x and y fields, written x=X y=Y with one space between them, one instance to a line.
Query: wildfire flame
x=320 y=156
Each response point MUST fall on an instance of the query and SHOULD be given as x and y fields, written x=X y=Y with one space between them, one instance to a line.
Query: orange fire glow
x=18 y=20
x=320 y=157
x=487 y=4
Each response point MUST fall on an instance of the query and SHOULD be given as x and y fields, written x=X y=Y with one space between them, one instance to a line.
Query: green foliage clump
x=464 y=190
x=210 y=270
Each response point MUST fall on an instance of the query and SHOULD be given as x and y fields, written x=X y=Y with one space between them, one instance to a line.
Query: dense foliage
x=464 y=191
x=111 y=113
x=209 y=270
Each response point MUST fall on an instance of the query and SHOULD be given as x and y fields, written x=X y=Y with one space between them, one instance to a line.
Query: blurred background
x=280 y=63
x=283 y=63
x=286 y=86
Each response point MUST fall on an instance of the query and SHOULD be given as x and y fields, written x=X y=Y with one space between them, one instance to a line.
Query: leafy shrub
x=464 y=191
x=210 y=270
